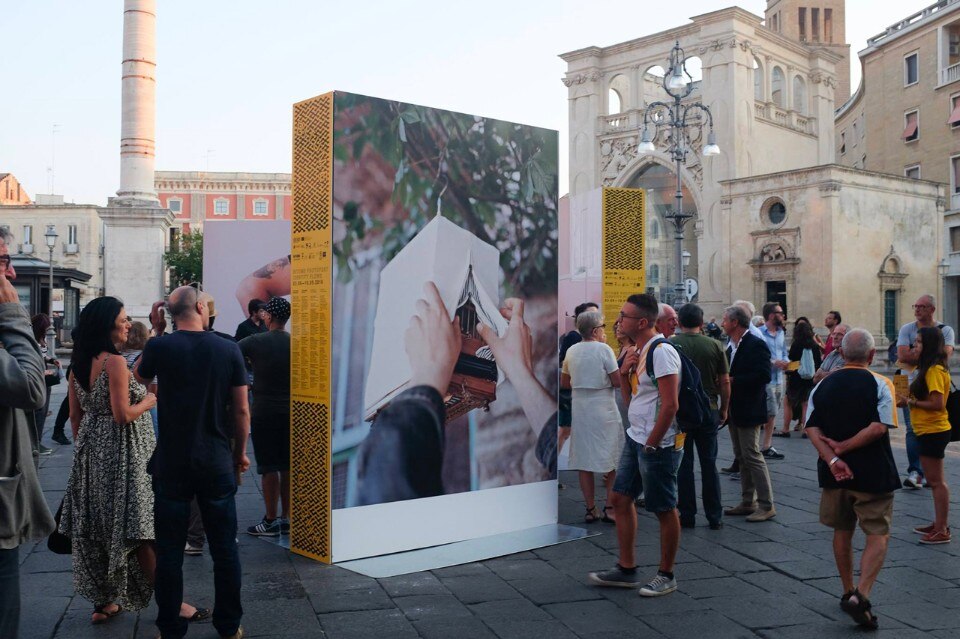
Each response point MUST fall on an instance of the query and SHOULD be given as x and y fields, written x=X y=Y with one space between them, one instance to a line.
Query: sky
x=229 y=71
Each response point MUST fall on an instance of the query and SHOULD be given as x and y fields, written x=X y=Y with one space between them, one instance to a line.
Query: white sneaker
x=913 y=481
x=658 y=586
x=192 y=550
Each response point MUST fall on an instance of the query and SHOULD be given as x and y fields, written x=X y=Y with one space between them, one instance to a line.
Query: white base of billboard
x=382 y=529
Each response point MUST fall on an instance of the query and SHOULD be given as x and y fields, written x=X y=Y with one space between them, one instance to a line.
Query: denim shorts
x=655 y=473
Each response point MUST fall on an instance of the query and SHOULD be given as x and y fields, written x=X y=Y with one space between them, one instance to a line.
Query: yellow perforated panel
x=623 y=248
x=311 y=289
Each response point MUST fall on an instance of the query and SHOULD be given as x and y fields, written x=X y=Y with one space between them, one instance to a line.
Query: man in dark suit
x=749 y=375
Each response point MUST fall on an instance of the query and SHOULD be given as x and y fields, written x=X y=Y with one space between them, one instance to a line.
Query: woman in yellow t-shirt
x=928 y=414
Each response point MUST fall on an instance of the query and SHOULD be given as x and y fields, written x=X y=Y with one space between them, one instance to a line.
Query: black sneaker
x=60 y=438
x=43 y=450
x=265 y=528
x=732 y=468
x=284 y=526
x=772 y=453
x=618 y=577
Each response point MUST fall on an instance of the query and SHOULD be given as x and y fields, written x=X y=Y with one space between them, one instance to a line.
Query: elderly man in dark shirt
x=848 y=417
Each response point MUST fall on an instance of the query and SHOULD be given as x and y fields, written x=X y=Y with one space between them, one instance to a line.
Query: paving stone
x=326 y=600
x=685 y=624
x=589 y=617
x=911 y=579
x=770 y=552
x=418 y=583
x=721 y=587
x=762 y=612
x=634 y=604
x=367 y=624
x=480 y=588
x=524 y=569
x=424 y=607
x=42 y=626
x=549 y=629
x=276 y=616
x=459 y=628
x=808 y=569
x=559 y=589
x=839 y=630
x=925 y=616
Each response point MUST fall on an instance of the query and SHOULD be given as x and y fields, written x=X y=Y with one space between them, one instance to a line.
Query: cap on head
x=279 y=309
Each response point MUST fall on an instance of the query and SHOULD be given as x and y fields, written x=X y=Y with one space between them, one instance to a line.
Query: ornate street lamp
x=678 y=84
x=51 y=238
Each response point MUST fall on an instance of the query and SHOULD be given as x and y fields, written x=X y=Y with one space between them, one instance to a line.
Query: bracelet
x=833 y=461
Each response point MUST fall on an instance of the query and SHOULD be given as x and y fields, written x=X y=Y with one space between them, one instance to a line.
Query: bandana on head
x=279 y=309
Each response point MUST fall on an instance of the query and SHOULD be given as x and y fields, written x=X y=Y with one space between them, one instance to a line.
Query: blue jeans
x=10 y=593
x=913 y=446
x=706 y=445
x=215 y=498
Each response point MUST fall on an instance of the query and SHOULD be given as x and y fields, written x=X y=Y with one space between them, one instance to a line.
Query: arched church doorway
x=660 y=183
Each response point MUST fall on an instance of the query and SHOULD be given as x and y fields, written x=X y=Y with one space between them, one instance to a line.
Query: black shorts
x=270 y=431
x=934 y=444
x=565 y=408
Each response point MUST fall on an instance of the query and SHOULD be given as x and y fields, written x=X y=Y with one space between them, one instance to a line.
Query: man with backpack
x=749 y=376
x=708 y=356
x=653 y=449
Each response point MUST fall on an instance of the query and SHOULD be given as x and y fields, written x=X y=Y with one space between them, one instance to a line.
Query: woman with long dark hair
x=108 y=506
x=798 y=388
x=928 y=415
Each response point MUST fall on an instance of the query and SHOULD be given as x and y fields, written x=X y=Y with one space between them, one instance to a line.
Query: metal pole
x=51 y=336
x=678 y=221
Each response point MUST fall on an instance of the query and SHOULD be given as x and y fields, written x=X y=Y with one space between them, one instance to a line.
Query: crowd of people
x=844 y=408
x=160 y=422
x=159 y=425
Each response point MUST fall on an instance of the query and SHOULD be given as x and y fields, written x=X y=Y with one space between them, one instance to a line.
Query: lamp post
x=51 y=238
x=678 y=84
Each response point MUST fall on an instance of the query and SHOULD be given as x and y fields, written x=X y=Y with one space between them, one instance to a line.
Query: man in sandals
x=848 y=417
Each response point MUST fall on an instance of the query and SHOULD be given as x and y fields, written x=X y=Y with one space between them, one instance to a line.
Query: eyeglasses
x=921 y=306
x=602 y=326
x=625 y=316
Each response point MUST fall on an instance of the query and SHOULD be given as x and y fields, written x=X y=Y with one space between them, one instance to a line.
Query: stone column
x=138 y=102
x=135 y=226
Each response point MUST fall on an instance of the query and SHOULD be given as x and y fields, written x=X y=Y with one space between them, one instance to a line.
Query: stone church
x=775 y=218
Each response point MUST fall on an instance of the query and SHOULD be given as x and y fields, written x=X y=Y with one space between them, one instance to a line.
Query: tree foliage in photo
x=185 y=260
x=496 y=179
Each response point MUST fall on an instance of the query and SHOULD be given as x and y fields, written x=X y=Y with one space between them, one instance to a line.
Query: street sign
x=690 y=288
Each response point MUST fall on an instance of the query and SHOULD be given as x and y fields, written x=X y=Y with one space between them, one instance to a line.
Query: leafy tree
x=496 y=179
x=185 y=260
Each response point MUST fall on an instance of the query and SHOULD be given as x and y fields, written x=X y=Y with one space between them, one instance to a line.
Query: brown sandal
x=107 y=616
x=607 y=519
x=591 y=516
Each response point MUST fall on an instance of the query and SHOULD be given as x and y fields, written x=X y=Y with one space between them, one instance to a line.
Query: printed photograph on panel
x=444 y=334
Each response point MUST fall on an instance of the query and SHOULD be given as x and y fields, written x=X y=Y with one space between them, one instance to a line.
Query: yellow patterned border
x=623 y=250
x=310 y=364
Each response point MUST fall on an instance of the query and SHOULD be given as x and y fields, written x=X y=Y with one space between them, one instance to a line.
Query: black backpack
x=695 y=413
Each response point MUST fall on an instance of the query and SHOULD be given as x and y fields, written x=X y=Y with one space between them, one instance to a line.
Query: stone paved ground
x=774 y=579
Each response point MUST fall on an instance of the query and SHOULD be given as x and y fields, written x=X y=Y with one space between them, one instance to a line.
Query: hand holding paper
x=432 y=342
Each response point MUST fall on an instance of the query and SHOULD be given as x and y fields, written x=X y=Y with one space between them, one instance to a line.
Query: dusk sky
x=229 y=71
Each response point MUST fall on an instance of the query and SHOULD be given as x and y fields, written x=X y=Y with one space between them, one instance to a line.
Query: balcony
x=71 y=249
x=950 y=74
x=26 y=248
x=773 y=114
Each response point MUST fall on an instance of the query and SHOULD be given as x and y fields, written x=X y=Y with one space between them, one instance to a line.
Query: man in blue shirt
x=774 y=335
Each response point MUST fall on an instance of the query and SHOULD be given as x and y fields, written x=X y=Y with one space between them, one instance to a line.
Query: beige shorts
x=841 y=509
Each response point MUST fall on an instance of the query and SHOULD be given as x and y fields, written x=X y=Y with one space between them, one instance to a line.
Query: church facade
x=771 y=206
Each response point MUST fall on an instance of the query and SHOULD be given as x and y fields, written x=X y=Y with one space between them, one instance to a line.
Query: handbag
x=58 y=542
x=953 y=412
x=807 y=369
x=53 y=380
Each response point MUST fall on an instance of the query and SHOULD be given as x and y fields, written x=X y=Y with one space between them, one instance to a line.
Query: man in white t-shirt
x=652 y=452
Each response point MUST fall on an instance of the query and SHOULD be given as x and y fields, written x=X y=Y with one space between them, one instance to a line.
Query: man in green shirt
x=708 y=356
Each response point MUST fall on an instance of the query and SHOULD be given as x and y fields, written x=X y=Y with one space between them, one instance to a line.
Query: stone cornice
x=136 y=216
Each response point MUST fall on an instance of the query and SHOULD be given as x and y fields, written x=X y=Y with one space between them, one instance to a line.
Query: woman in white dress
x=596 y=439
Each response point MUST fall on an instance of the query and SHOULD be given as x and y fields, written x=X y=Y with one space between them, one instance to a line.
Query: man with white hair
x=849 y=415
x=924 y=310
x=734 y=469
